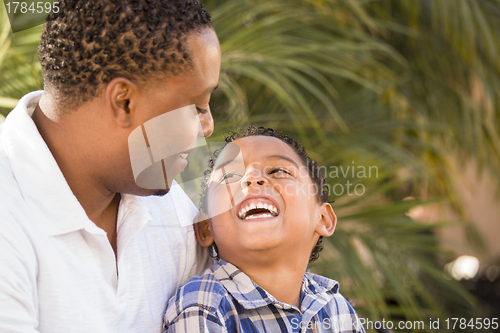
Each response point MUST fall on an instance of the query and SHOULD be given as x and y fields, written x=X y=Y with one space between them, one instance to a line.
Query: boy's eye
x=230 y=177
x=280 y=172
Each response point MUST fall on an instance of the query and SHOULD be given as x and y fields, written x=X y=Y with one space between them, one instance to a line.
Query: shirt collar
x=40 y=180
x=42 y=183
x=316 y=291
x=131 y=209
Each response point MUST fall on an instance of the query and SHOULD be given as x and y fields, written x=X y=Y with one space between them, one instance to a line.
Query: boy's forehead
x=248 y=149
x=229 y=155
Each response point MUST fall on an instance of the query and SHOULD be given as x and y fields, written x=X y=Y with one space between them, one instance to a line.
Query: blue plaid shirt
x=224 y=299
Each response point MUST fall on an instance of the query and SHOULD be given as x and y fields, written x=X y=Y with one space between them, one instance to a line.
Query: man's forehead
x=205 y=49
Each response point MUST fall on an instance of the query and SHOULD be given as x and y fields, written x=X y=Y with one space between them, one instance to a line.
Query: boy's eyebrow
x=284 y=158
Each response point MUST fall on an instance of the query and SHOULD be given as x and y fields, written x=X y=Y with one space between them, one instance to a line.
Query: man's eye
x=201 y=110
x=280 y=171
x=230 y=177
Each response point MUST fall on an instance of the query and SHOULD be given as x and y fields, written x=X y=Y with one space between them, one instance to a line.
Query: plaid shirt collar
x=316 y=291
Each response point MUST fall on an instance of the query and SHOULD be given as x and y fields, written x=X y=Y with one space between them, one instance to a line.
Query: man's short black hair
x=88 y=43
x=314 y=170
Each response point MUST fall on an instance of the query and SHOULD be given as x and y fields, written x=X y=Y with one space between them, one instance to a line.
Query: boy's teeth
x=258 y=216
x=272 y=210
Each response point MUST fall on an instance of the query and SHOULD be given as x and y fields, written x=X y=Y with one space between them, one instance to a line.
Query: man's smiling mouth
x=257 y=208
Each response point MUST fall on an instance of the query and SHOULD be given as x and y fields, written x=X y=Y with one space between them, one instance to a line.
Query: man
x=82 y=247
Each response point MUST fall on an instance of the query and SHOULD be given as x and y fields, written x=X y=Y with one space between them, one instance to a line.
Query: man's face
x=264 y=202
x=194 y=87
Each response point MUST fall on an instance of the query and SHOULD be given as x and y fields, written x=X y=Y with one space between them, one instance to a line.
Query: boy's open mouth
x=257 y=208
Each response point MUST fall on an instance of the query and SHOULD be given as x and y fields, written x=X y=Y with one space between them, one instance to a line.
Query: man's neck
x=64 y=139
x=283 y=280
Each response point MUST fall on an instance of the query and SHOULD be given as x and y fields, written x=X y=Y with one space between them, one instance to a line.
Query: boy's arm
x=195 y=320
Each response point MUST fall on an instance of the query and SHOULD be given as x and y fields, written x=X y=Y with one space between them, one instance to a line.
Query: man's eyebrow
x=211 y=90
x=284 y=158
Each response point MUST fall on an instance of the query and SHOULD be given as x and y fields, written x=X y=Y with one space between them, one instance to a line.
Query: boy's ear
x=328 y=220
x=203 y=234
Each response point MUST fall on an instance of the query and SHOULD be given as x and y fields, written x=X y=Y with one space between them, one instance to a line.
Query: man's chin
x=149 y=192
x=160 y=193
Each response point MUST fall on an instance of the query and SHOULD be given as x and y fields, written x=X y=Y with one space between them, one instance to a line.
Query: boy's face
x=265 y=204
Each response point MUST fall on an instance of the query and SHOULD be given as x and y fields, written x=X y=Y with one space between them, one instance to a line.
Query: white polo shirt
x=58 y=272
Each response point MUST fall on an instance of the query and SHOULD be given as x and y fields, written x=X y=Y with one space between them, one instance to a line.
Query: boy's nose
x=260 y=182
x=254 y=177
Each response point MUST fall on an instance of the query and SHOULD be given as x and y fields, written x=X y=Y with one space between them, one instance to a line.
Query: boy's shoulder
x=203 y=296
x=206 y=303
x=327 y=290
x=201 y=291
x=212 y=295
x=321 y=297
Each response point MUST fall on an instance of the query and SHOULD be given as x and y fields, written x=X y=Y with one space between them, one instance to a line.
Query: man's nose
x=206 y=122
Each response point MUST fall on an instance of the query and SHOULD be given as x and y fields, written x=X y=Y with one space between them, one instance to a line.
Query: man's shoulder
x=10 y=193
x=11 y=196
x=9 y=185
x=14 y=213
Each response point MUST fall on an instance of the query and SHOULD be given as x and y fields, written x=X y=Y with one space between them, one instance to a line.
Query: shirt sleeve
x=18 y=303
x=195 y=320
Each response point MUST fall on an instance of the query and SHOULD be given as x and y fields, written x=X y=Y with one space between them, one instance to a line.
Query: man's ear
x=328 y=220
x=203 y=234
x=119 y=99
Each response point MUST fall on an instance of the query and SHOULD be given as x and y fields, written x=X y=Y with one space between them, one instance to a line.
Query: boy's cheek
x=224 y=197
x=220 y=228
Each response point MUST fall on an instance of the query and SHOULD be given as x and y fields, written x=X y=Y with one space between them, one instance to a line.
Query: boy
x=269 y=209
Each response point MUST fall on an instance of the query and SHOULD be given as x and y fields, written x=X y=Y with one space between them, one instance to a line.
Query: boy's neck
x=281 y=280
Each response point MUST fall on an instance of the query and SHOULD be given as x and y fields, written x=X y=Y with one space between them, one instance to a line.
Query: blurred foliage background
x=408 y=88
